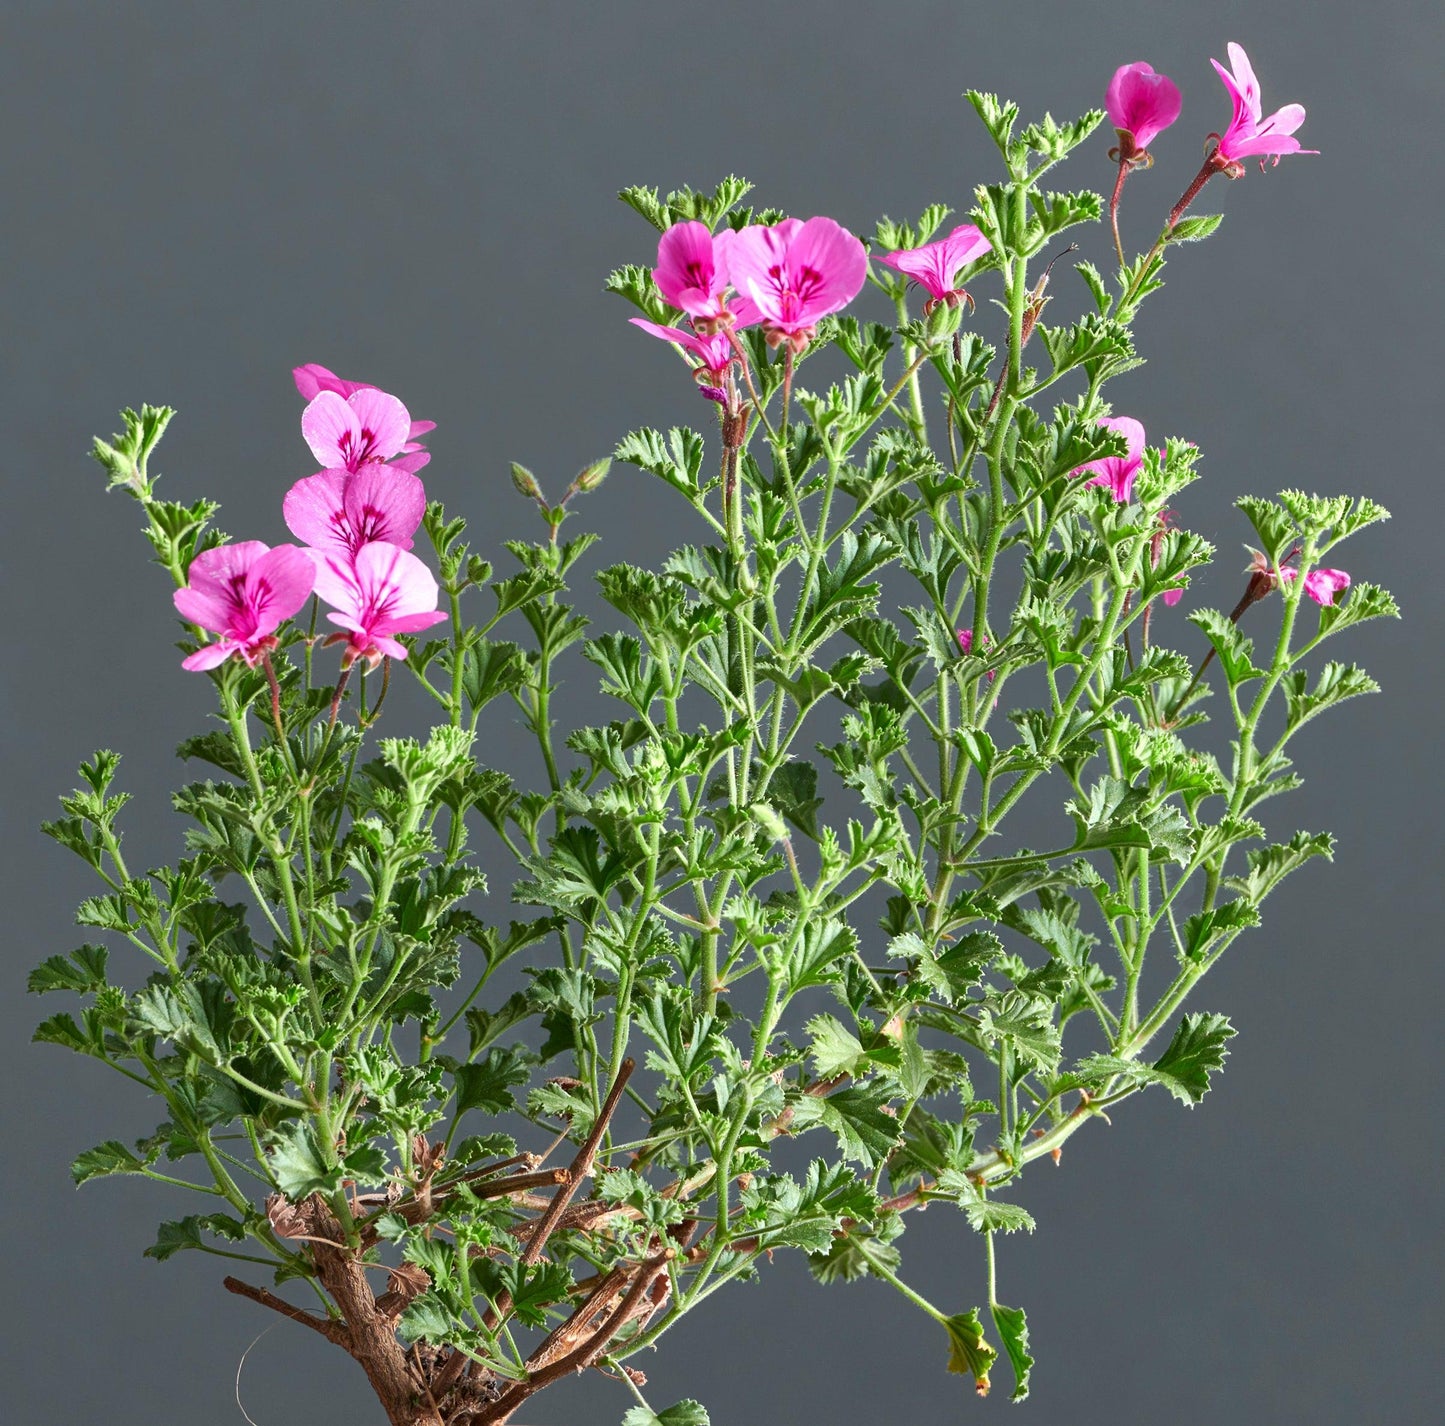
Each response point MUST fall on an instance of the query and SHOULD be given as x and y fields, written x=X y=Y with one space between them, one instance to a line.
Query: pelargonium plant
x=483 y=1143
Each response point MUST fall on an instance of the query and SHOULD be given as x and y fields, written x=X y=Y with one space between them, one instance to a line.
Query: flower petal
x=1132 y=432
x=331 y=428
x=1142 y=102
x=209 y=655
x=278 y=584
x=687 y=271
x=313 y=378
x=383 y=503
x=384 y=422
x=1245 y=79
x=315 y=512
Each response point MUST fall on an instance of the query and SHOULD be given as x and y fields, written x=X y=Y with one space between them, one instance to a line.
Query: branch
x=579 y=1168
x=576 y=1171
x=581 y=1357
x=332 y=1331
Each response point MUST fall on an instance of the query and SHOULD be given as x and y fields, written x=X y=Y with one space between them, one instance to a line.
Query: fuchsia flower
x=380 y=591
x=334 y=512
x=713 y=351
x=935 y=265
x=1249 y=133
x=1141 y=104
x=243 y=592
x=1321 y=584
x=965 y=644
x=1171 y=597
x=692 y=274
x=1118 y=472
x=313 y=378
x=346 y=433
x=796 y=273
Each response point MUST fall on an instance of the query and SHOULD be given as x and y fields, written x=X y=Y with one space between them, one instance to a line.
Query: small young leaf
x=685 y=1413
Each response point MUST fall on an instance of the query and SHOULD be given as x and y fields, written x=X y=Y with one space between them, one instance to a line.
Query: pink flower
x=243 y=592
x=935 y=265
x=380 y=591
x=338 y=513
x=313 y=378
x=1249 y=133
x=1141 y=105
x=1323 y=584
x=714 y=351
x=348 y=432
x=797 y=273
x=1118 y=472
x=965 y=643
x=1171 y=597
x=692 y=274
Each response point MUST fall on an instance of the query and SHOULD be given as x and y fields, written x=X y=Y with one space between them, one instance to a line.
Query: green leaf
x=989 y=1215
x=969 y=1353
x=685 y=1413
x=488 y=1025
x=865 y=1130
x=998 y=117
x=1013 y=1330
x=487 y=1084
x=108 y=1158
x=124 y=456
x=174 y=1237
x=984 y=1214
x=1364 y=601
x=675 y=458
x=1268 y=866
x=859 y=1252
x=1094 y=280
x=793 y=790
x=1197 y=1050
x=83 y=970
x=835 y=1049
x=1235 y=652
x=426 y=1318
x=296 y=1163
x=1191 y=230
x=1336 y=683
x=1026 y=1025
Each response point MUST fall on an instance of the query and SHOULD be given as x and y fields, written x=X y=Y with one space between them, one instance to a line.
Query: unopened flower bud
x=525 y=483
x=590 y=477
x=944 y=315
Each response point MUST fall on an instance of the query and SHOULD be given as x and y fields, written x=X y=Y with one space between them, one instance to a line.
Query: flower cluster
x=787 y=276
x=357 y=517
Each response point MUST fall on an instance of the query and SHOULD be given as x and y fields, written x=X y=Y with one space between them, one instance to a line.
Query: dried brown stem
x=579 y=1168
x=333 y=1331
x=580 y=1357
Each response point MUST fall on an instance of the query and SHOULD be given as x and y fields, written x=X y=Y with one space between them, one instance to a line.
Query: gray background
x=199 y=197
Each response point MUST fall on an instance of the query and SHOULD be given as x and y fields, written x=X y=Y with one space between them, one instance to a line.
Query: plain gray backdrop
x=199 y=197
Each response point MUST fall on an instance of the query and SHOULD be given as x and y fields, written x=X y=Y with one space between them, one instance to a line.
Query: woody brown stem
x=576 y=1171
x=332 y=1330
x=580 y=1166
x=580 y=1357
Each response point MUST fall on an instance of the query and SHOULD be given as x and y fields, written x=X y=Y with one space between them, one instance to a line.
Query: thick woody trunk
x=371 y=1339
